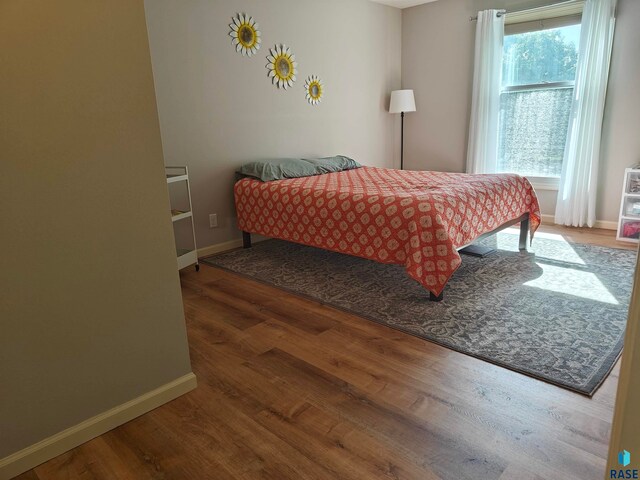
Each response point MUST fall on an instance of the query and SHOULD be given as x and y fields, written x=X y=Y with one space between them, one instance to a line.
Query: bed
x=419 y=219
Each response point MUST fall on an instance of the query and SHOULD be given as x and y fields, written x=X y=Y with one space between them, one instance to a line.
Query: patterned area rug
x=556 y=313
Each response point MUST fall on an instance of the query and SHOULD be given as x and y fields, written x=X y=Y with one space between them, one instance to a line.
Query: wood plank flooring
x=291 y=389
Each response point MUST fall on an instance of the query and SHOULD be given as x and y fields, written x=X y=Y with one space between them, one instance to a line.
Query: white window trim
x=566 y=13
x=564 y=9
x=544 y=183
x=538 y=86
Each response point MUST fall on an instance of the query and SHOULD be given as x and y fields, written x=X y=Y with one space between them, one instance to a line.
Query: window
x=538 y=75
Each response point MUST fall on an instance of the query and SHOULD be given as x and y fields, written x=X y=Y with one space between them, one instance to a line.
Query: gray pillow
x=337 y=163
x=279 y=169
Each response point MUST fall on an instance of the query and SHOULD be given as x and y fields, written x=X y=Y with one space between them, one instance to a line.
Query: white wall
x=437 y=62
x=218 y=109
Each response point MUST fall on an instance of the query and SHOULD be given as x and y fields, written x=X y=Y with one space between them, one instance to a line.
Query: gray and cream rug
x=556 y=313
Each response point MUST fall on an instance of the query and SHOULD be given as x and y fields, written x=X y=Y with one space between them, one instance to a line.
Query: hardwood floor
x=292 y=389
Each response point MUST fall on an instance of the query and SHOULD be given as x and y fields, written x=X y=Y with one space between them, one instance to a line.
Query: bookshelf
x=182 y=216
x=629 y=219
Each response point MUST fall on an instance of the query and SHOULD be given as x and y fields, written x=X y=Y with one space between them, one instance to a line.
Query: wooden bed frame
x=523 y=220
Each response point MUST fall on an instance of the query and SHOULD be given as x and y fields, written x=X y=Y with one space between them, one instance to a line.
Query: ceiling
x=403 y=3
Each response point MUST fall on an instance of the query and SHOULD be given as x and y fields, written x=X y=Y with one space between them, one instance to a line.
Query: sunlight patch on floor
x=563 y=251
x=572 y=282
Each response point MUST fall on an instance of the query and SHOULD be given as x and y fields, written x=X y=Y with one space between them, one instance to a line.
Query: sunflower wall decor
x=282 y=66
x=314 y=89
x=244 y=34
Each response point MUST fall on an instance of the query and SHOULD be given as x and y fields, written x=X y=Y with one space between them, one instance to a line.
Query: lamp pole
x=401 y=140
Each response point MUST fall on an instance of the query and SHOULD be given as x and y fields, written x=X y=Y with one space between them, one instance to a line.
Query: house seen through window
x=538 y=75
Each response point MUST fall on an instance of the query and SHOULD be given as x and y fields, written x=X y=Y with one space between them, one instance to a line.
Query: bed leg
x=246 y=240
x=436 y=298
x=524 y=231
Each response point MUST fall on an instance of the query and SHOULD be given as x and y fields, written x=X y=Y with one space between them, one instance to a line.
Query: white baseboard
x=218 y=248
x=226 y=246
x=51 y=447
x=605 y=224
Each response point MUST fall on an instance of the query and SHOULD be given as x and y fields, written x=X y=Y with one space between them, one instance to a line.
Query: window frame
x=543 y=18
x=530 y=87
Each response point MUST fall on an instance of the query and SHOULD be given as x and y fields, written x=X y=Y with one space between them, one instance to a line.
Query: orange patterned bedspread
x=417 y=219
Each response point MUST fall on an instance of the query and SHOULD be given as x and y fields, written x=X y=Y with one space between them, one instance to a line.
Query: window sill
x=544 y=183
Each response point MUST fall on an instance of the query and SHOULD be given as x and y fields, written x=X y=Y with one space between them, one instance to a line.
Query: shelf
x=629 y=222
x=631 y=182
x=628 y=239
x=181 y=210
x=186 y=258
x=176 y=178
x=179 y=216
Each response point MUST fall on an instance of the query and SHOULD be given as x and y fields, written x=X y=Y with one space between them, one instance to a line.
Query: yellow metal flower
x=245 y=34
x=314 y=88
x=282 y=66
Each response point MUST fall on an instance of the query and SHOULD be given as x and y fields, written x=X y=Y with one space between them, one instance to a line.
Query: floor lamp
x=402 y=101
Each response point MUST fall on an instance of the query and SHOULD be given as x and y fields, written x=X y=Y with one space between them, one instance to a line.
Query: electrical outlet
x=213 y=220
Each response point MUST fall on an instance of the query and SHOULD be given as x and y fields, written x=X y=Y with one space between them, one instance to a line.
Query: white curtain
x=576 y=204
x=482 y=151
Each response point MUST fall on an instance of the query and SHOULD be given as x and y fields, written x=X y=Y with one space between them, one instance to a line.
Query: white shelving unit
x=186 y=249
x=629 y=220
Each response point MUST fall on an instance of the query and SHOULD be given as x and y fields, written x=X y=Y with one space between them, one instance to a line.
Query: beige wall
x=625 y=433
x=621 y=138
x=437 y=62
x=218 y=109
x=90 y=311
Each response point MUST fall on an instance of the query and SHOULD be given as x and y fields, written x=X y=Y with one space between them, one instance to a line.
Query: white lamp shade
x=402 y=101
